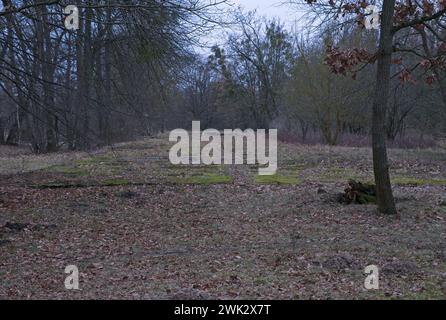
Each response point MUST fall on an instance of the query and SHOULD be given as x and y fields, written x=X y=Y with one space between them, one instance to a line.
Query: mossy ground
x=206 y=179
x=277 y=179
x=215 y=232
x=411 y=181
x=115 y=182
x=68 y=170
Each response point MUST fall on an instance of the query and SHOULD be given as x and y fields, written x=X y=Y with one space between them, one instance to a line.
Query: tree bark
x=385 y=200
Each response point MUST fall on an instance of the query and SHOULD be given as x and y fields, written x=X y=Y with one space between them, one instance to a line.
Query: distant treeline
x=130 y=71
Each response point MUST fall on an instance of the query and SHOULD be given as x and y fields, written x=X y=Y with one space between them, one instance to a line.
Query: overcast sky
x=267 y=8
x=270 y=9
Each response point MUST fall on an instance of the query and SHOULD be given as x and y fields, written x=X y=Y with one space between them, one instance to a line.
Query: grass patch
x=185 y=171
x=277 y=179
x=206 y=179
x=337 y=174
x=68 y=185
x=59 y=185
x=69 y=171
x=430 y=291
x=102 y=165
x=410 y=181
x=115 y=182
x=94 y=160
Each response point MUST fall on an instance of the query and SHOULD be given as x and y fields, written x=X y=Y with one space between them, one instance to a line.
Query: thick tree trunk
x=386 y=202
x=48 y=78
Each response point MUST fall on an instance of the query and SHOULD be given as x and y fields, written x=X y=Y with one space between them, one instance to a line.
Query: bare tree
x=395 y=16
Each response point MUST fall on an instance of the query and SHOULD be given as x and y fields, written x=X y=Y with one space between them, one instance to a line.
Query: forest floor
x=138 y=227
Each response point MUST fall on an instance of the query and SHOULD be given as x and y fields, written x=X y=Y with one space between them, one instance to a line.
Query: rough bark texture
x=386 y=202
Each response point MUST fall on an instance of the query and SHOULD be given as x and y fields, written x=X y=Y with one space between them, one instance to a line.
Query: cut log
x=359 y=193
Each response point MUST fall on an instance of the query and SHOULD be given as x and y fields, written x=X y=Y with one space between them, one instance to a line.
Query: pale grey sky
x=265 y=8
x=270 y=9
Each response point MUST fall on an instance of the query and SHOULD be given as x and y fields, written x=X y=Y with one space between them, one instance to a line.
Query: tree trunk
x=46 y=55
x=386 y=202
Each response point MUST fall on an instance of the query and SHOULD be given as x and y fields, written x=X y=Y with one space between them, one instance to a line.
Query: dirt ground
x=138 y=227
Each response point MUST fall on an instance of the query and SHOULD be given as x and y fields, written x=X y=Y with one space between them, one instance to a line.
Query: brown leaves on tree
x=403 y=10
x=425 y=64
x=363 y=4
x=349 y=7
x=405 y=76
x=428 y=67
x=408 y=10
x=428 y=8
x=433 y=65
x=353 y=6
x=430 y=79
x=398 y=61
x=343 y=61
x=419 y=27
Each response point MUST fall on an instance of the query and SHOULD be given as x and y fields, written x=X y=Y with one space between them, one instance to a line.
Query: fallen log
x=358 y=193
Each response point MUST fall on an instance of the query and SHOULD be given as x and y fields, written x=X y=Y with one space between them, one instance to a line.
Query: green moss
x=202 y=173
x=103 y=165
x=366 y=199
x=277 y=179
x=199 y=171
x=62 y=185
x=69 y=171
x=94 y=160
x=431 y=291
x=337 y=174
x=292 y=167
x=206 y=179
x=410 y=181
x=59 y=185
x=115 y=182
x=263 y=280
